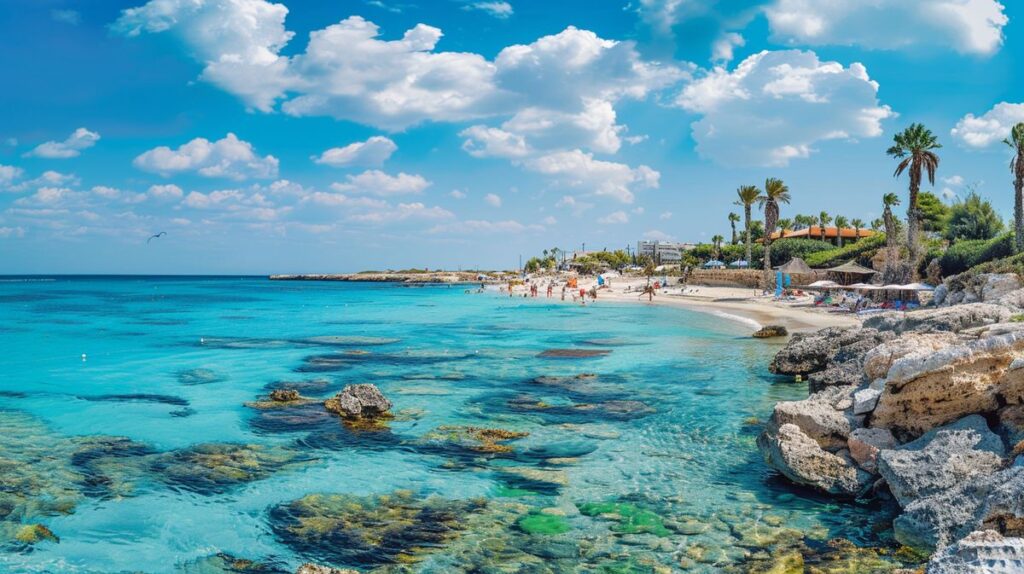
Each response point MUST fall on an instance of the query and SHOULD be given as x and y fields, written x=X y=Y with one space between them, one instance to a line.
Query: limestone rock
x=770 y=331
x=973 y=376
x=822 y=416
x=998 y=285
x=309 y=568
x=837 y=375
x=359 y=401
x=865 y=400
x=981 y=552
x=1013 y=299
x=941 y=459
x=865 y=444
x=284 y=395
x=800 y=459
x=953 y=319
x=993 y=501
x=877 y=361
x=807 y=353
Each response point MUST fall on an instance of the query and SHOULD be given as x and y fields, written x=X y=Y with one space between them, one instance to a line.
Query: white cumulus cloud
x=968 y=26
x=169 y=191
x=370 y=153
x=9 y=174
x=482 y=141
x=376 y=182
x=72 y=146
x=497 y=9
x=991 y=127
x=775 y=106
x=229 y=157
x=615 y=217
x=493 y=200
x=605 y=178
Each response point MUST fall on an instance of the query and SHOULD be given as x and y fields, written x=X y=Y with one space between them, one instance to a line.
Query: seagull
x=158 y=235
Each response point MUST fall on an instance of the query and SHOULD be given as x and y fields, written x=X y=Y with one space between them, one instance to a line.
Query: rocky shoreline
x=924 y=410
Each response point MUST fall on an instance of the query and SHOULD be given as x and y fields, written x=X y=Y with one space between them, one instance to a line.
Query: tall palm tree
x=841 y=222
x=748 y=196
x=889 y=220
x=733 y=220
x=857 y=224
x=877 y=224
x=915 y=147
x=823 y=220
x=785 y=225
x=1016 y=141
x=798 y=221
x=775 y=192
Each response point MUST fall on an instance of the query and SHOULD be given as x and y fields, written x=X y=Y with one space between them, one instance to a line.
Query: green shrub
x=966 y=254
x=785 y=249
x=862 y=251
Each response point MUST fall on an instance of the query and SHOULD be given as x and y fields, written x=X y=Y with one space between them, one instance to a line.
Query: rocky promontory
x=925 y=409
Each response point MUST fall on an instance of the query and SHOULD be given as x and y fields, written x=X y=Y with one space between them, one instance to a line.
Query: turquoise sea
x=128 y=445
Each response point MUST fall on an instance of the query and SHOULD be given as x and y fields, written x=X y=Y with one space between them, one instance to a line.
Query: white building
x=661 y=252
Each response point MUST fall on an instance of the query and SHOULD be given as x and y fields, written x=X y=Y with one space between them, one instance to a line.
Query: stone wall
x=739 y=278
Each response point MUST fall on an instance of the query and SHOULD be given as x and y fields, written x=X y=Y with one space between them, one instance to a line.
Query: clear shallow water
x=664 y=430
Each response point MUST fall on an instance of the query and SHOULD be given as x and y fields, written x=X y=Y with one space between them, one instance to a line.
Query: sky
x=343 y=135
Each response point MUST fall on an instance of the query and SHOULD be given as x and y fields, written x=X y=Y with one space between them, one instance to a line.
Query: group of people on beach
x=569 y=289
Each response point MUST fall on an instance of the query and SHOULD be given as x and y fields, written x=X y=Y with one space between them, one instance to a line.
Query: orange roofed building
x=831 y=233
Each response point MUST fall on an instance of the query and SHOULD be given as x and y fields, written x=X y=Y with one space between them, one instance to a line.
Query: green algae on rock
x=223 y=563
x=370 y=531
x=474 y=439
x=629 y=518
x=543 y=524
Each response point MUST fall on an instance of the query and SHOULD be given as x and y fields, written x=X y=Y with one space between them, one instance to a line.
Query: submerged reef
x=216 y=467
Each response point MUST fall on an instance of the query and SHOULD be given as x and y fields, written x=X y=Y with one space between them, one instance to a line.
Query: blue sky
x=320 y=136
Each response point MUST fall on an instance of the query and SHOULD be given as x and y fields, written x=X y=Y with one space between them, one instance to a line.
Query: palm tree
x=823 y=219
x=1016 y=141
x=775 y=192
x=841 y=222
x=733 y=220
x=748 y=195
x=716 y=241
x=889 y=220
x=798 y=221
x=857 y=224
x=877 y=224
x=915 y=146
x=785 y=225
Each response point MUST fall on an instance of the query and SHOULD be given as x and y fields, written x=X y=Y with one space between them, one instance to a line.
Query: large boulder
x=825 y=416
x=941 y=459
x=994 y=501
x=807 y=353
x=837 y=375
x=877 y=361
x=981 y=552
x=363 y=401
x=923 y=391
x=802 y=460
x=953 y=319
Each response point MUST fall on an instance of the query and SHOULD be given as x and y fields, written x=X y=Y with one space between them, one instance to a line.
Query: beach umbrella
x=824 y=283
x=714 y=263
x=740 y=263
x=795 y=265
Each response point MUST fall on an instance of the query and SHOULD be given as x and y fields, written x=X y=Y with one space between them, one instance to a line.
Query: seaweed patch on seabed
x=370 y=531
x=223 y=563
x=215 y=468
x=341 y=361
x=199 y=376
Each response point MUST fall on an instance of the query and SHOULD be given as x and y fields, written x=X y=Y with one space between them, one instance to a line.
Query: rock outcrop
x=802 y=460
x=363 y=401
x=926 y=390
x=865 y=444
x=982 y=552
x=809 y=353
x=941 y=459
x=769 y=331
x=309 y=568
x=951 y=319
x=825 y=417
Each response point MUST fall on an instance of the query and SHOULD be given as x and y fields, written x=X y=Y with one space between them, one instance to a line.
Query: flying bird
x=158 y=235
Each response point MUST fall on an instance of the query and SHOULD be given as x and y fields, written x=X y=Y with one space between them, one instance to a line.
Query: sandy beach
x=734 y=303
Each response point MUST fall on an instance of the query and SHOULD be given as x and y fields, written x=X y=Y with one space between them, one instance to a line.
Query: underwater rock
x=284 y=395
x=214 y=468
x=110 y=466
x=573 y=353
x=347 y=341
x=941 y=459
x=35 y=533
x=307 y=387
x=547 y=481
x=769 y=331
x=801 y=459
x=370 y=531
x=138 y=398
x=363 y=401
x=475 y=439
x=982 y=552
x=199 y=377
x=224 y=563
x=628 y=518
x=308 y=568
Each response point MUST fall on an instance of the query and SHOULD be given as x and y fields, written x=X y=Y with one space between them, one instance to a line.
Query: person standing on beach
x=551 y=289
x=563 y=292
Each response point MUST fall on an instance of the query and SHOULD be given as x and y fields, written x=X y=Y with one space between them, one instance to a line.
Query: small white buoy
x=202 y=341
x=83 y=356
